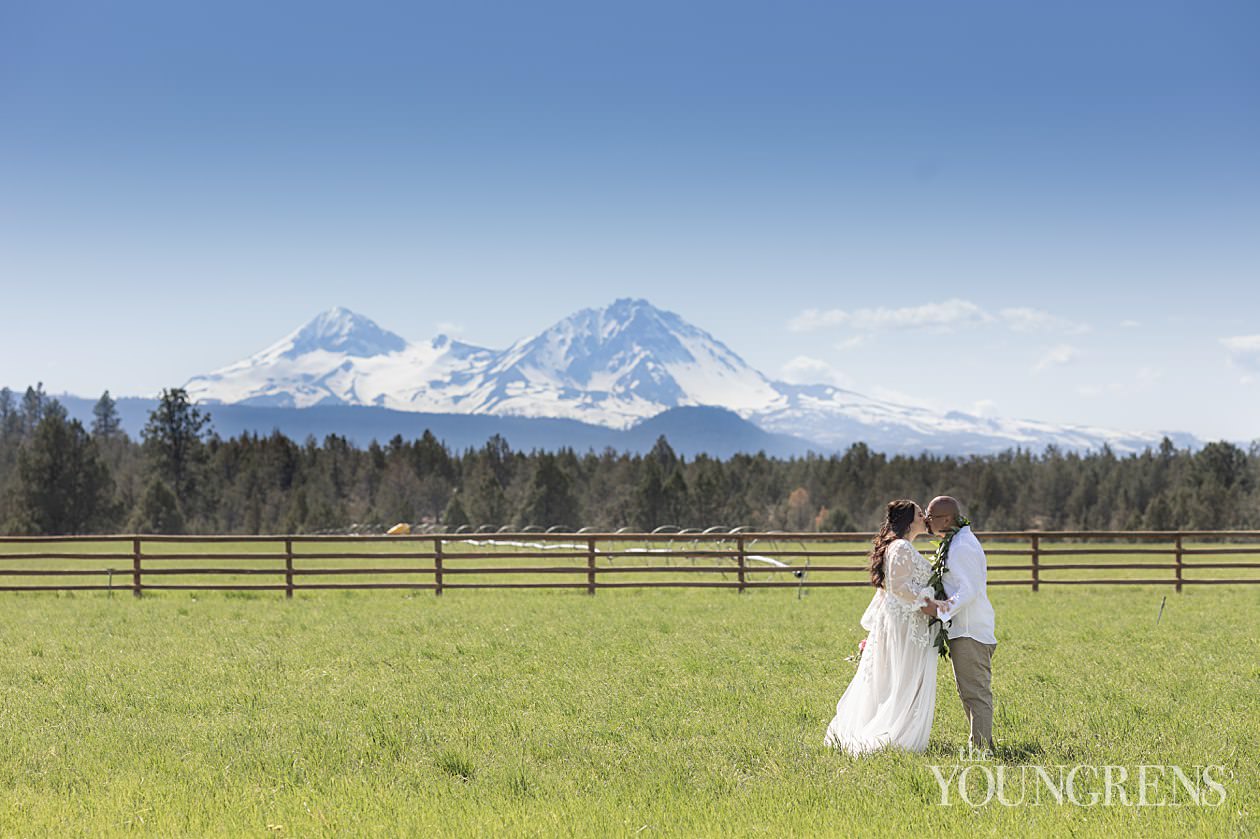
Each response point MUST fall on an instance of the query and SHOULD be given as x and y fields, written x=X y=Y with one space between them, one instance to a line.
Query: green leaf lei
x=939 y=568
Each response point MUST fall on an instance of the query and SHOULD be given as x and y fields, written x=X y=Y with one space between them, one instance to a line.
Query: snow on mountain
x=613 y=367
x=341 y=330
x=616 y=367
x=339 y=358
x=835 y=418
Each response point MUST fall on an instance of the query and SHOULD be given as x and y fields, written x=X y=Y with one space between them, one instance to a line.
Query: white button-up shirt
x=966 y=572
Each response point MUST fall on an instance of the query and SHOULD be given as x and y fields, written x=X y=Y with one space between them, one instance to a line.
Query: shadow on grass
x=1018 y=751
x=456 y=764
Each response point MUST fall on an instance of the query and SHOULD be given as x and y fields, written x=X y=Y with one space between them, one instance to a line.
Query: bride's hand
x=933 y=608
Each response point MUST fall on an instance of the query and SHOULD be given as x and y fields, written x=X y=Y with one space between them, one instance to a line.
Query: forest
x=59 y=477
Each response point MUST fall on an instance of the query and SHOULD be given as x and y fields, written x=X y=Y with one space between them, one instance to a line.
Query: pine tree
x=175 y=438
x=296 y=516
x=62 y=484
x=431 y=457
x=454 y=516
x=708 y=492
x=549 y=500
x=498 y=455
x=10 y=440
x=10 y=419
x=105 y=423
x=664 y=455
x=34 y=403
x=397 y=499
x=649 y=497
x=484 y=500
x=158 y=511
x=675 y=501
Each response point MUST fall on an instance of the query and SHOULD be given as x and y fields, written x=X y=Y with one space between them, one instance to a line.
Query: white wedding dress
x=892 y=698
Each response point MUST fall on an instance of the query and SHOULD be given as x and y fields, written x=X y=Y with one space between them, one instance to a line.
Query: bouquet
x=857 y=657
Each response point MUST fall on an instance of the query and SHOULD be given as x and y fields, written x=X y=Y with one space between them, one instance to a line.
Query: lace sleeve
x=899 y=575
x=907 y=590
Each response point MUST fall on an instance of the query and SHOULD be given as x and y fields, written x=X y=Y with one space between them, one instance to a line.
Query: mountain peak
x=627 y=310
x=601 y=339
x=630 y=360
x=629 y=306
x=340 y=330
x=614 y=366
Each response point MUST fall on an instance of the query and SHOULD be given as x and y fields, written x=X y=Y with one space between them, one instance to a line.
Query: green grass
x=634 y=712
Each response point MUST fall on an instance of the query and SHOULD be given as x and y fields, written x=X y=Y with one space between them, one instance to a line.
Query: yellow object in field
x=399 y=529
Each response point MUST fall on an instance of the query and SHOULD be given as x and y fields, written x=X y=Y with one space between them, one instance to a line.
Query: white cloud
x=1143 y=381
x=946 y=314
x=1244 y=352
x=984 y=408
x=1057 y=357
x=804 y=370
x=942 y=316
x=851 y=342
x=812 y=320
x=1129 y=324
x=1024 y=319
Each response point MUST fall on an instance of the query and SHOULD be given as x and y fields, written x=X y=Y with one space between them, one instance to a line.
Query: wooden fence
x=591 y=561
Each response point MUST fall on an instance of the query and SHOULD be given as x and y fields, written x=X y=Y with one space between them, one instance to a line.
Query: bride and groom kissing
x=891 y=701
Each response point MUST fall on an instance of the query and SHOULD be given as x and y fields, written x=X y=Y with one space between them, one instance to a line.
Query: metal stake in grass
x=1161 y=609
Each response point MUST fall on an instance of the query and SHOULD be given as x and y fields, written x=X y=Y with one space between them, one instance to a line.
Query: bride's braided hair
x=898 y=517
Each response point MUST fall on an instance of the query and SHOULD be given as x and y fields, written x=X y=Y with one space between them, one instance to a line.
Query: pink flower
x=862 y=645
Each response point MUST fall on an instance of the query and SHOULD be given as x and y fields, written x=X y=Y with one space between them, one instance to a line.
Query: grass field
x=635 y=712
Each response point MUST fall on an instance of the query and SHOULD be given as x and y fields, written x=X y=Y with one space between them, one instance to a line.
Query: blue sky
x=1026 y=209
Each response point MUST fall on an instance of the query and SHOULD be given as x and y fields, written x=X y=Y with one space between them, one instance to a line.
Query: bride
x=892 y=698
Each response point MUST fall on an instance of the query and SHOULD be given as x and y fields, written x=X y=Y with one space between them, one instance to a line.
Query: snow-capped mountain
x=343 y=358
x=613 y=367
x=338 y=330
x=616 y=367
x=837 y=418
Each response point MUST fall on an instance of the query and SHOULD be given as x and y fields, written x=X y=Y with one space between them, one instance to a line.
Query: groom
x=971 y=638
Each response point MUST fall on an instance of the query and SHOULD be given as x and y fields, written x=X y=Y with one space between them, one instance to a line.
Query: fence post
x=135 y=567
x=590 y=566
x=288 y=569
x=740 y=543
x=1036 y=562
x=1179 y=563
x=437 y=566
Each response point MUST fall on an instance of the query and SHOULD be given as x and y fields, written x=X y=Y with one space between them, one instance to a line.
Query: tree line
x=58 y=477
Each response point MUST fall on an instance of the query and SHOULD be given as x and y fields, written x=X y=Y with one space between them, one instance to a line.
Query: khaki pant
x=974 y=676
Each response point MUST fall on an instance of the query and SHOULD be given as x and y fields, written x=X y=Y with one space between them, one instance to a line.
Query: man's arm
x=965 y=574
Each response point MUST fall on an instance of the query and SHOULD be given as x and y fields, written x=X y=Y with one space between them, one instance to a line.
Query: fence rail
x=439 y=562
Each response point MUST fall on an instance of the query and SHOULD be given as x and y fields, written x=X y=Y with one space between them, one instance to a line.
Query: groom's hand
x=929 y=610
